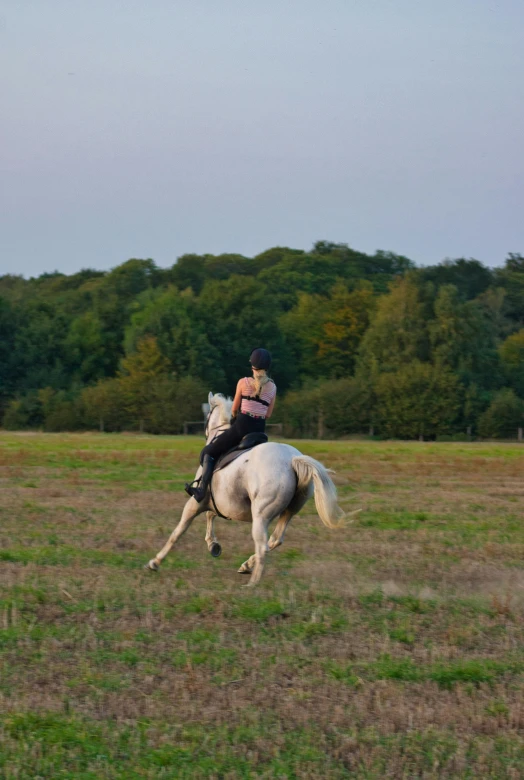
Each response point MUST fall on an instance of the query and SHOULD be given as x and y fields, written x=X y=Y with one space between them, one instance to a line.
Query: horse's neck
x=217 y=430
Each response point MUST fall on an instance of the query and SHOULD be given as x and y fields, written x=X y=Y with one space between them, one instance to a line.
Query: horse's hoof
x=244 y=569
x=152 y=566
x=215 y=550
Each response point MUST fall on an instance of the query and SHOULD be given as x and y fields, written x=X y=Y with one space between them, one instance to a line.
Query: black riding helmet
x=260 y=359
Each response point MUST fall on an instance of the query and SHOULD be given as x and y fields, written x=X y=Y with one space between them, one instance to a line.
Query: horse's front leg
x=191 y=510
x=212 y=542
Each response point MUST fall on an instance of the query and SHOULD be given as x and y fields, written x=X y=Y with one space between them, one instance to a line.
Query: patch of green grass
x=56 y=554
x=259 y=611
x=445 y=673
x=321 y=621
x=497 y=708
x=99 y=681
x=403 y=635
x=371 y=600
x=344 y=673
x=11 y=635
x=396 y=520
x=74 y=748
x=471 y=670
x=199 y=637
x=197 y=604
x=388 y=668
x=413 y=603
x=290 y=555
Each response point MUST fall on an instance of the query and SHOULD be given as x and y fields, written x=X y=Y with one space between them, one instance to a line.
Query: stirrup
x=197 y=493
x=191 y=487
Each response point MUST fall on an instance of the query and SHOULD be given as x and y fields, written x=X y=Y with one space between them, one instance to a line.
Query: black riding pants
x=226 y=441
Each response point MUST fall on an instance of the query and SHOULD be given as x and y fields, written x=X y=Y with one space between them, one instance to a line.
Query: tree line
x=361 y=343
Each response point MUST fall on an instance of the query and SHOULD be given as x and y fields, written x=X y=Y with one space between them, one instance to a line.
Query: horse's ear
x=210 y=399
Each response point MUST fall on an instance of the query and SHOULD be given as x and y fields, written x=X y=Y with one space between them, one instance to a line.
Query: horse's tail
x=308 y=469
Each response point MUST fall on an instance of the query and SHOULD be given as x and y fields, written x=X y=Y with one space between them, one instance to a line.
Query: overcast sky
x=151 y=129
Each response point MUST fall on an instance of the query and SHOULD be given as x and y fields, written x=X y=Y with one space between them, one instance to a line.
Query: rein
x=219 y=430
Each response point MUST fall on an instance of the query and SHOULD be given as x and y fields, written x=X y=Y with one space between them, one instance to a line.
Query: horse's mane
x=224 y=405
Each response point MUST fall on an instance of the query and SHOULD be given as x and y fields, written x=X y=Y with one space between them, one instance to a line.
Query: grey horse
x=270 y=482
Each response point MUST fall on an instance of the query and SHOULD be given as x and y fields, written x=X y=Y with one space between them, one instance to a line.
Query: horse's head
x=219 y=415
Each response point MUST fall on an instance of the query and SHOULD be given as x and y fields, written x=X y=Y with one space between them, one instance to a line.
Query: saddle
x=249 y=441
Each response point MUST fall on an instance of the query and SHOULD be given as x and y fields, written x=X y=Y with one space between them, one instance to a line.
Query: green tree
x=239 y=315
x=512 y=358
x=310 y=273
x=102 y=406
x=504 y=415
x=418 y=400
x=346 y=317
x=85 y=349
x=24 y=412
x=112 y=299
x=346 y=405
x=301 y=326
x=325 y=331
x=171 y=402
x=325 y=409
x=174 y=319
x=398 y=332
x=8 y=357
x=139 y=374
x=464 y=339
x=38 y=346
x=189 y=271
x=273 y=256
x=61 y=409
x=226 y=265
x=469 y=277
x=511 y=279
x=131 y=278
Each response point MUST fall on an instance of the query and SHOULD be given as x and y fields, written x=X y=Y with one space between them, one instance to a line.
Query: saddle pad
x=228 y=457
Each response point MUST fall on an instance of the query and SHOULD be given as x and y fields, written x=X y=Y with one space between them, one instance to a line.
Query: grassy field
x=392 y=647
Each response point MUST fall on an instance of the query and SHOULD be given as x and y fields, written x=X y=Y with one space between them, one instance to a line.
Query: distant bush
x=64 y=414
x=325 y=409
x=454 y=437
x=24 y=412
x=418 y=400
x=165 y=404
x=504 y=415
x=171 y=403
x=102 y=406
x=461 y=437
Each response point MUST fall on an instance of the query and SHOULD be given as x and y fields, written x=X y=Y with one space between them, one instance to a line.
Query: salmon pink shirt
x=249 y=405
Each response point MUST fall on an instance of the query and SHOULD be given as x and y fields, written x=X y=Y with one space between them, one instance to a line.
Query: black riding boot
x=199 y=492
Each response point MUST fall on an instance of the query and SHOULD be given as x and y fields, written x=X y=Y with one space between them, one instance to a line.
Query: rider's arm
x=238 y=399
x=270 y=408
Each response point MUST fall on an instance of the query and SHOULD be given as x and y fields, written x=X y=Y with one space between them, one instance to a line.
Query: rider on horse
x=253 y=405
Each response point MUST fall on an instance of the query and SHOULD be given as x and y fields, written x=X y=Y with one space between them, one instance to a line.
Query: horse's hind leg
x=191 y=510
x=212 y=542
x=259 y=531
x=277 y=538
